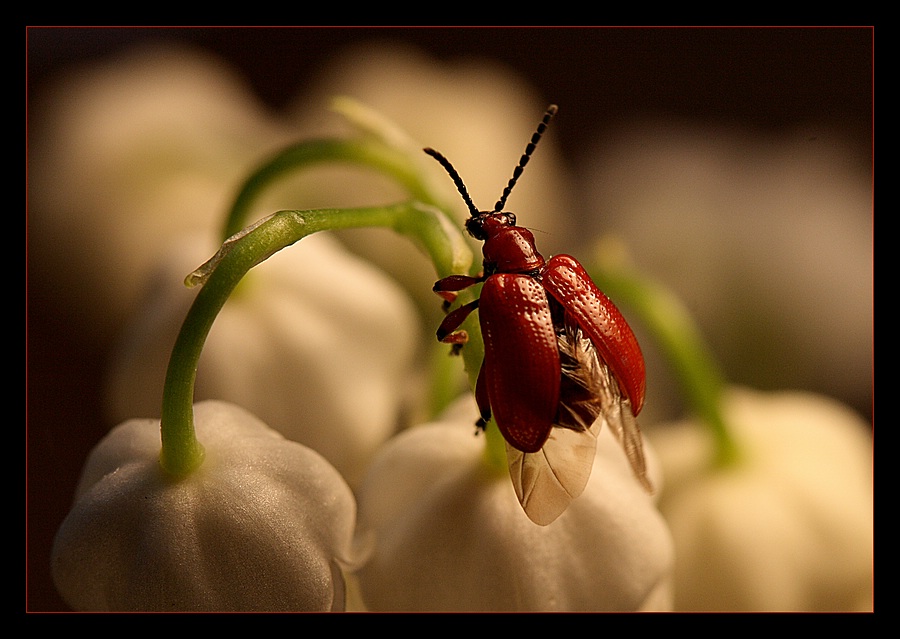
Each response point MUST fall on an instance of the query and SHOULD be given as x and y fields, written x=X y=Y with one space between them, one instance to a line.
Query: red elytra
x=524 y=306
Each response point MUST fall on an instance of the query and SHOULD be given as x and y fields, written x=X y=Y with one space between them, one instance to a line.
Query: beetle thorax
x=507 y=248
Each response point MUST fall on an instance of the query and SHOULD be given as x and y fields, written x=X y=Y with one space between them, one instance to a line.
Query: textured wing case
x=521 y=359
x=567 y=281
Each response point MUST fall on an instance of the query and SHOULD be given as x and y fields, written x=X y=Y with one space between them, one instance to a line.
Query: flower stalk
x=425 y=225
x=364 y=152
x=678 y=338
x=386 y=150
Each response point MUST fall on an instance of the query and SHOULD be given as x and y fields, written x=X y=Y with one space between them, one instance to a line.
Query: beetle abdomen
x=580 y=399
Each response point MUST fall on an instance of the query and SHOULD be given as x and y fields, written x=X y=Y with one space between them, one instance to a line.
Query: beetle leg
x=449 y=298
x=447 y=332
x=448 y=286
x=481 y=399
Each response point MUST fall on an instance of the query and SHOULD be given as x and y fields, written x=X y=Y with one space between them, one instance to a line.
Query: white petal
x=315 y=342
x=790 y=527
x=264 y=524
x=127 y=155
x=450 y=534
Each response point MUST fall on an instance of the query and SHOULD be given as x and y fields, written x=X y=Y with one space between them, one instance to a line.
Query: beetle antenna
x=473 y=211
x=548 y=115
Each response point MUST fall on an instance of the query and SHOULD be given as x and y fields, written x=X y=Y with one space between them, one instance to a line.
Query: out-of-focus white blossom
x=127 y=155
x=767 y=238
x=316 y=342
x=789 y=526
x=448 y=533
x=263 y=524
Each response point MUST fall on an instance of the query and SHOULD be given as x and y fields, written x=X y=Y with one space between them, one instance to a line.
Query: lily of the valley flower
x=449 y=534
x=315 y=342
x=766 y=237
x=205 y=511
x=127 y=156
x=262 y=524
x=788 y=526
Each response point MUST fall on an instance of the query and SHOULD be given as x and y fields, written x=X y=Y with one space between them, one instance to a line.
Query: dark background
x=767 y=78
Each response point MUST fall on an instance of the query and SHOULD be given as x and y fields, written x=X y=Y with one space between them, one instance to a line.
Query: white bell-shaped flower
x=788 y=526
x=262 y=524
x=314 y=341
x=127 y=155
x=448 y=533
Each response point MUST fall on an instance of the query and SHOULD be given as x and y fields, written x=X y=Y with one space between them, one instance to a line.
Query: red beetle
x=559 y=358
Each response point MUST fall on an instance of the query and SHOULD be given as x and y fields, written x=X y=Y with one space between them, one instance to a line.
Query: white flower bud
x=263 y=524
x=126 y=156
x=789 y=527
x=314 y=341
x=450 y=535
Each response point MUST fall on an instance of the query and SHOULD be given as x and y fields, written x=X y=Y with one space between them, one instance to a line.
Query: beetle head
x=483 y=225
x=489 y=223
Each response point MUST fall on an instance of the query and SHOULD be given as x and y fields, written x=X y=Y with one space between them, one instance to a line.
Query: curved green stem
x=473 y=355
x=667 y=320
x=364 y=152
x=427 y=226
x=387 y=150
x=495 y=450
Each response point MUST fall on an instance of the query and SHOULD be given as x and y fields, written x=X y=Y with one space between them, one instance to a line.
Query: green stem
x=667 y=320
x=473 y=355
x=364 y=152
x=427 y=226
x=380 y=151
x=495 y=456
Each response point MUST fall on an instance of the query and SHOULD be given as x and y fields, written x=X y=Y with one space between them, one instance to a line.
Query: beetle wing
x=591 y=395
x=624 y=426
x=567 y=281
x=548 y=480
x=617 y=414
x=521 y=358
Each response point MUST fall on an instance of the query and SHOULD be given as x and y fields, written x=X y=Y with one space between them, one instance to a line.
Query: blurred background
x=770 y=129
